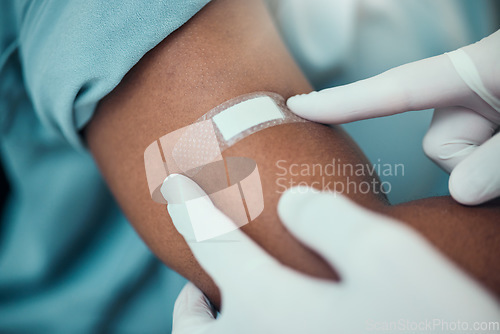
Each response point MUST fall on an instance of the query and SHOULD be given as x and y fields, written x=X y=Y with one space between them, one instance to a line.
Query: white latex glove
x=389 y=273
x=463 y=86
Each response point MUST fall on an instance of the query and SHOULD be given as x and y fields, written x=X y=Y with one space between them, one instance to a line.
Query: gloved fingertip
x=466 y=190
x=293 y=201
x=180 y=191
x=178 y=188
x=293 y=102
x=298 y=104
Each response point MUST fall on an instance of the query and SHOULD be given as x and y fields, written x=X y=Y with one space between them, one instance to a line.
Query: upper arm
x=230 y=48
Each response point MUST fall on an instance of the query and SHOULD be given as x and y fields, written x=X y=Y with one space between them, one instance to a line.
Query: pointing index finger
x=424 y=84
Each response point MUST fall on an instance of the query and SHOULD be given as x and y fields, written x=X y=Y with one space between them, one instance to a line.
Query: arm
x=231 y=48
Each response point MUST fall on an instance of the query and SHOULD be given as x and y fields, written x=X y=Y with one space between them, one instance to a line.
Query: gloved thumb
x=193 y=313
x=476 y=179
x=341 y=231
x=220 y=259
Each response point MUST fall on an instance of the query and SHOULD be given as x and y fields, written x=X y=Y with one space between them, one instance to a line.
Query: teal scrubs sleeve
x=73 y=53
x=69 y=260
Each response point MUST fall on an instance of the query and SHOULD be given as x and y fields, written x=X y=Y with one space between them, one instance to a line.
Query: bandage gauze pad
x=233 y=184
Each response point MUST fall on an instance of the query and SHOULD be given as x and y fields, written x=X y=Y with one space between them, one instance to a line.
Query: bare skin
x=228 y=49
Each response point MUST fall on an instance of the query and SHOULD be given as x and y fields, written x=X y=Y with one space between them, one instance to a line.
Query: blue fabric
x=69 y=260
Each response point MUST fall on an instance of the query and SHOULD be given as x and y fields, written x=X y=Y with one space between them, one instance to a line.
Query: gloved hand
x=463 y=87
x=388 y=273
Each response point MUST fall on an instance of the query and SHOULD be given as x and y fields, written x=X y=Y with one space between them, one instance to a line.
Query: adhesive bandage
x=233 y=184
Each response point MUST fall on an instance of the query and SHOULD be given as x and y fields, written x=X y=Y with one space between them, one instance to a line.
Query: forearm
x=229 y=49
x=470 y=236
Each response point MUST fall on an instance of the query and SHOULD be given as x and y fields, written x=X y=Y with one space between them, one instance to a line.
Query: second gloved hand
x=388 y=273
x=463 y=87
